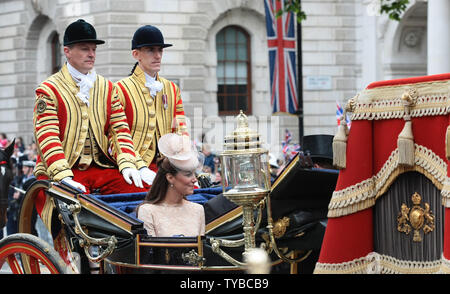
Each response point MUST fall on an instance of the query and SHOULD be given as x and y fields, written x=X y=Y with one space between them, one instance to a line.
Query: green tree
x=393 y=8
x=294 y=6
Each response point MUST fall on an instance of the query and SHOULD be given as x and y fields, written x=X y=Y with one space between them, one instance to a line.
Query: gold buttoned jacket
x=62 y=123
x=149 y=118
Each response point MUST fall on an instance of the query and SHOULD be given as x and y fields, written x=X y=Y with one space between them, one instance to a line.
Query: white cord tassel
x=340 y=144
x=405 y=141
x=340 y=139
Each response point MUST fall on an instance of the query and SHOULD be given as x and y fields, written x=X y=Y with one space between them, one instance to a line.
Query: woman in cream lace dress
x=165 y=211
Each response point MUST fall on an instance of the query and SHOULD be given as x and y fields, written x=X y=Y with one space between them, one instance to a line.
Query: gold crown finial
x=242 y=137
x=416 y=198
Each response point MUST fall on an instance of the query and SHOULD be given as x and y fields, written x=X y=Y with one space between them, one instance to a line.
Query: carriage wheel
x=51 y=221
x=41 y=257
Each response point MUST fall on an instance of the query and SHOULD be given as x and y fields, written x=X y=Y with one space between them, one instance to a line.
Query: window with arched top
x=55 y=51
x=233 y=71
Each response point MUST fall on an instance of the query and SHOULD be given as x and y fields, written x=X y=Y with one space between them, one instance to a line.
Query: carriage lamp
x=245 y=173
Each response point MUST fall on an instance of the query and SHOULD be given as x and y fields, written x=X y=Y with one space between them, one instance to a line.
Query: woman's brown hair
x=160 y=184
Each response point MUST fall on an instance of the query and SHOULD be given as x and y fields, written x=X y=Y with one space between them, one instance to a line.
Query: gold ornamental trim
x=229 y=216
x=140 y=243
x=432 y=98
x=105 y=215
x=375 y=263
x=153 y=266
x=445 y=193
x=415 y=217
x=356 y=266
x=363 y=195
x=285 y=172
x=168 y=245
x=445 y=268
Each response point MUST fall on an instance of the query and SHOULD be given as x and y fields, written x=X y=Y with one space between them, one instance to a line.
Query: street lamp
x=246 y=182
x=245 y=174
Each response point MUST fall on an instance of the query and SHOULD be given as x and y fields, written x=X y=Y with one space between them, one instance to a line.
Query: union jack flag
x=289 y=150
x=287 y=138
x=339 y=113
x=281 y=44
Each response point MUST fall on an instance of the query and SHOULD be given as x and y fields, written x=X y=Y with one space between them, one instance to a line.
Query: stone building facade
x=345 y=44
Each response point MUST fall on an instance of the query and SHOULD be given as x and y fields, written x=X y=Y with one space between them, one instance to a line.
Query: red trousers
x=102 y=180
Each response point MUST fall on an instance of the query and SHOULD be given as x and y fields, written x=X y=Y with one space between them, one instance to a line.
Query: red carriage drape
x=374 y=159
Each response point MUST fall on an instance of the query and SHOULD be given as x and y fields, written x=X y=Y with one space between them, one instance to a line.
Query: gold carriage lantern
x=245 y=173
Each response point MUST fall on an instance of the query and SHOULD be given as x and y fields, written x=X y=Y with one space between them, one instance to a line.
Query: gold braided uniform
x=149 y=118
x=70 y=133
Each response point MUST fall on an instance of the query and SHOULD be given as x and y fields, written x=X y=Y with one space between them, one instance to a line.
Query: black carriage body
x=300 y=194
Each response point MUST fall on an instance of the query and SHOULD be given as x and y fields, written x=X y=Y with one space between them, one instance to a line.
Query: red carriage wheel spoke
x=34 y=265
x=14 y=264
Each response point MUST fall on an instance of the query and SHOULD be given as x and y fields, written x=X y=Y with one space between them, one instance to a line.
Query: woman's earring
x=171 y=185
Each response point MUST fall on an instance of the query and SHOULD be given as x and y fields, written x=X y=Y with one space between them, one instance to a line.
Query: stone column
x=368 y=36
x=438 y=36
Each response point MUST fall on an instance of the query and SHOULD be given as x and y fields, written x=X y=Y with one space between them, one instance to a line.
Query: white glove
x=132 y=175
x=147 y=175
x=71 y=182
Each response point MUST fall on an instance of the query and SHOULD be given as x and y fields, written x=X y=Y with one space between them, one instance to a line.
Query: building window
x=233 y=71
x=56 y=52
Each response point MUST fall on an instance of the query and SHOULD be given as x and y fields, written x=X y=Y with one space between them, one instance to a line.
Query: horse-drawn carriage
x=387 y=211
x=91 y=230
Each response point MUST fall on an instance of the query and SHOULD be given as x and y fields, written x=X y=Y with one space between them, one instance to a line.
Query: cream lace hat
x=180 y=152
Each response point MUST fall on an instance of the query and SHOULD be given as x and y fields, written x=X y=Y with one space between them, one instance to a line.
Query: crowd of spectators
x=23 y=161
x=211 y=165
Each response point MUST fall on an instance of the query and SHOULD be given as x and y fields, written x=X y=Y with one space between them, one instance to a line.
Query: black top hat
x=80 y=31
x=319 y=146
x=147 y=36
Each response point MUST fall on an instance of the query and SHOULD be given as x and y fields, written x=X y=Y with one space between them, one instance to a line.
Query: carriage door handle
x=88 y=241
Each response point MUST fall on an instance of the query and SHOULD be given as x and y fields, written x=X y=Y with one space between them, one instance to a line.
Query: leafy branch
x=292 y=6
x=393 y=8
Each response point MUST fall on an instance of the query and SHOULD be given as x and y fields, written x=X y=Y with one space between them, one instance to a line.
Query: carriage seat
x=127 y=202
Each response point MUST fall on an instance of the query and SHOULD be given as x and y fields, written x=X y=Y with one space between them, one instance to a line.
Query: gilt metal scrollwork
x=193 y=258
x=280 y=226
x=87 y=241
